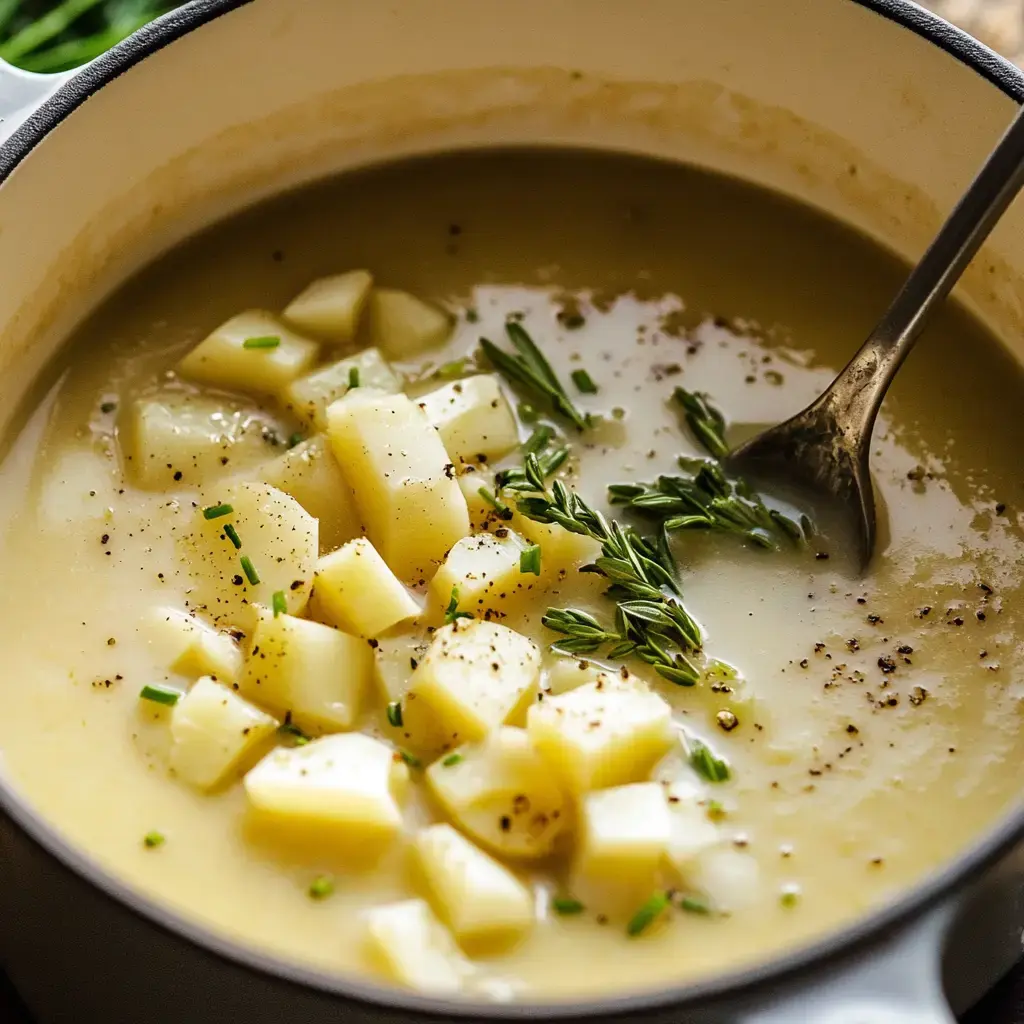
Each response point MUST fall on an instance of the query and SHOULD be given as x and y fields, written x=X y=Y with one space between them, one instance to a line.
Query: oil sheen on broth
x=863 y=709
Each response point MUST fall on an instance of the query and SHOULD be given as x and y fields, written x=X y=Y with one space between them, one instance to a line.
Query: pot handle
x=21 y=93
x=899 y=982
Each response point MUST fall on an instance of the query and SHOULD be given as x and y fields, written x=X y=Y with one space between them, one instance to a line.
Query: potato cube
x=565 y=674
x=600 y=734
x=502 y=793
x=731 y=880
x=308 y=397
x=278 y=540
x=404 y=486
x=482 y=513
x=311 y=475
x=345 y=787
x=356 y=591
x=318 y=673
x=403 y=325
x=189 y=440
x=189 y=646
x=225 y=360
x=692 y=832
x=625 y=832
x=212 y=731
x=476 y=676
x=473 y=418
x=330 y=307
x=477 y=897
x=414 y=948
x=485 y=568
x=394 y=658
x=559 y=548
x=78 y=486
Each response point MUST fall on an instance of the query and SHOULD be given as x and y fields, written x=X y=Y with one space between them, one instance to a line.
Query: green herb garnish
x=504 y=512
x=706 y=422
x=705 y=763
x=151 y=840
x=695 y=905
x=451 y=613
x=584 y=382
x=298 y=737
x=450 y=760
x=536 y=469
x=410 y=759
x=279 y=603
x=216 y=511
x=790 y=896
x=250 y=570
x=527 y=413
x=566 y=906
x=264 y=341
x=538 y=440
x=394 y=713
x=454 y=369
x=232 y=535
x=322 y=887
x=353 y=377
x=295 y=439
x=531 y=370
x=529 y=560
x=648 y=914
x=160 y=695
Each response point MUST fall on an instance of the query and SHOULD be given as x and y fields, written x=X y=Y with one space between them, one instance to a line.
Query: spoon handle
x=857 y=392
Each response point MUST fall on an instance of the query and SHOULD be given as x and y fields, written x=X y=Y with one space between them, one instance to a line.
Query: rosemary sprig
x=531 y=370
x=534 y=472
x=706 y=422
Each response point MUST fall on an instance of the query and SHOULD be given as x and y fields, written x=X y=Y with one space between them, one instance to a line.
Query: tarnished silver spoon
x=824 y=451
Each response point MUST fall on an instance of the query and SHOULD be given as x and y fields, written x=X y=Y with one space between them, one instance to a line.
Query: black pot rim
x=745 y=983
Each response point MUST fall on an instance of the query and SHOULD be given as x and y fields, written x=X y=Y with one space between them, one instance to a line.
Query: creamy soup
x=299 y=643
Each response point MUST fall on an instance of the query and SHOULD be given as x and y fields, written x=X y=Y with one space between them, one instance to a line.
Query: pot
x=871 y=110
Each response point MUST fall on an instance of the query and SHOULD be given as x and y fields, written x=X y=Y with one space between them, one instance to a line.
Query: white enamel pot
x=872 y=110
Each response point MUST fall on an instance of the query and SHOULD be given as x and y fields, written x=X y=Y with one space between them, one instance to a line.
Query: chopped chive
x=584 y=382
x=454 y=369
x=566 y=906
x=529 y=560
x=216 y=511
x=279 y=603
x=538 y=440
x=108 y=407
x=295 y=439
x=451 y=759
x=694 y=905
x=451 y=613
x=790 y=896
x=705 y=763
x=232 y=535
x=410 y=759
x=527 y=413
x=394 y=713
x=264 y=341
x=160 y=695
x=151 y=840
x=322 y=887
x=250 y=570
x=715 y=810
x=353 y=377
x=648 y=914
x=300 y=739
x=499 y=506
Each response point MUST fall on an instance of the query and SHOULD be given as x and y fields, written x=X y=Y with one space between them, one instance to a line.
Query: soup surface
x=823 y=727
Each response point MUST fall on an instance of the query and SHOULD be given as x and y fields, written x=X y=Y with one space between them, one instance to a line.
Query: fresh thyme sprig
x=706 y=422
x=534 y=472
x=532 y=371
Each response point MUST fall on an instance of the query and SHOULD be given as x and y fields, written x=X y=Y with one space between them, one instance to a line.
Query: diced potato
x=277 y=536
x=330 y=307
x=189 y=646
x=625 y=833
x=185 y=439
x=482 y=513
x=403 y=325
x=559 y=548
x=692 y=832
x=485 y=568
x=308 y=397
x=404 y=486
x=79 y=486
x=346 y=785
x=475 y=676
x=731 y=880
x=413 y=948
x=355 y=590
x=311 y=475
x=223 y=359
x=394 y=659
x=566 y=673
x=479 y=899
x=502 y=793
x=316 y=672
x=212 y=731
x=606 y=733
x=473 y=418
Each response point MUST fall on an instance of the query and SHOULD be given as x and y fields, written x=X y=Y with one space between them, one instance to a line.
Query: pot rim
x=744 y=982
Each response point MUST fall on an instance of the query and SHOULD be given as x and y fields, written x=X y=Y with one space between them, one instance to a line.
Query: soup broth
x=868 y=727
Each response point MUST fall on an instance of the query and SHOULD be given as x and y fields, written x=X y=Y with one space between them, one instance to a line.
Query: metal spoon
x=825 y=449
